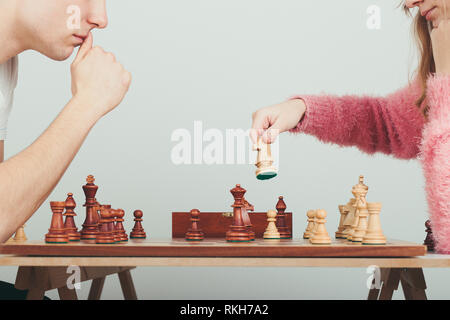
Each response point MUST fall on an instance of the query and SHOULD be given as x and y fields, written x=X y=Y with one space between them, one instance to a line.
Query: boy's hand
x=98 y=80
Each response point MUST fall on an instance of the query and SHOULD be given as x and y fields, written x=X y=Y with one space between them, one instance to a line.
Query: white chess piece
x=271 y=230
x=374 y=234
x=309 y=228
x=320 y=235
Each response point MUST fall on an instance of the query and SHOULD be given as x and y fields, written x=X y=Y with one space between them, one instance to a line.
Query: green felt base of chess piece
x=266 y=175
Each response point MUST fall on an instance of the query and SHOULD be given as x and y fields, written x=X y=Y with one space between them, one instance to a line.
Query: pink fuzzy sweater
x=394 y=125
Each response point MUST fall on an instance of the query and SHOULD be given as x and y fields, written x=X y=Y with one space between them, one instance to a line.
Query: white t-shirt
x=8 y=82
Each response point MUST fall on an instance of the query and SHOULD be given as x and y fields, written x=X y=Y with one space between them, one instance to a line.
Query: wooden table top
x=295 y=248
x=428 y=261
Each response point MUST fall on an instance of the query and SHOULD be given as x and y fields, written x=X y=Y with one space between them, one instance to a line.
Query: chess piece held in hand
x=138 y=230
x=264 y=161
x=194 y=233
x=271 y=230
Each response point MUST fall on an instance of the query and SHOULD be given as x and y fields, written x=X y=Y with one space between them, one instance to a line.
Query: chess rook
x=138 y=230
x=69 y=223
x=105 y=235
x=90 y=226
x=281 y=219
x=57 y=233
x=374 y=234
x=238 y=232
x=194 y=233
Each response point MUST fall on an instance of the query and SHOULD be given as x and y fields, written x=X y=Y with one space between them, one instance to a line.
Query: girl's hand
x=440 y=39
x=269 y=122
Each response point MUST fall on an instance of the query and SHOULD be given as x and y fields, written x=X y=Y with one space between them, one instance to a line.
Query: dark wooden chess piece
x=238 y=232
x=105 y=236
x=69 y=224
x=112 y=225
x=429 y=240
x=248 y=207
x=57 y=233
x=281 y=219
x=119 y=226
x=194 y=233
x=138 y=230
x=90 y=225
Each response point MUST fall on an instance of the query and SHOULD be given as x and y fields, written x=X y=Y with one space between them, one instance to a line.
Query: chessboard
x=216 y=248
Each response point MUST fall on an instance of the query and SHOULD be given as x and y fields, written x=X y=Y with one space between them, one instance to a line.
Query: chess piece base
x=266 y=173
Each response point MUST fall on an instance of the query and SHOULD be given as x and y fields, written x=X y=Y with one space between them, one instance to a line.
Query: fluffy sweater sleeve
x=391 y=125
x=435 y=158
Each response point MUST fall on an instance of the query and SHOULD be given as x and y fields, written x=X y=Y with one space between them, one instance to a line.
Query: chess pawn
x=57 y=233
x=105 y=235
x=264 y=161
x=374 y=234
x=309 y=228
x=340 y=231
x=138 y=230
x=69 y=224
x=429 y=240
x=194 y=233
x=119 y=226
x=20 y=234
x=320 y=235
x=281 y=219
x=271 y=230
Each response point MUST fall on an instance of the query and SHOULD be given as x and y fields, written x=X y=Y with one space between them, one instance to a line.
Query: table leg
x=126 y=282
x=413 y=284
x=390 y=283
x=35 y=294
x=67 y=294
x=96 y=288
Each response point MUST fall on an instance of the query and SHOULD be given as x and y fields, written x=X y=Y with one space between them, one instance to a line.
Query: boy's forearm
x=27 y=179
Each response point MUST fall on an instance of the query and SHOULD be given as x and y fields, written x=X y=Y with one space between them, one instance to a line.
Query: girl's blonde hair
x=427 y=66
x=422 y=30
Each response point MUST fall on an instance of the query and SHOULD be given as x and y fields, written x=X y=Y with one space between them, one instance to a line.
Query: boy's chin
x=60 y=54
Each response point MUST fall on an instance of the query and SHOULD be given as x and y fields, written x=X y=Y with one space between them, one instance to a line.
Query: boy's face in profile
x=55 y=27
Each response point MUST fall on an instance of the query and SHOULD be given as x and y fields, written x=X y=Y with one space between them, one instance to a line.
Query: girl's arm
x=435 y=156
x=391 y=125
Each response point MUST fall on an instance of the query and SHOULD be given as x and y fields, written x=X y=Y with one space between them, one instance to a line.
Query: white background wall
x=218 y=61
